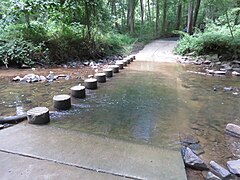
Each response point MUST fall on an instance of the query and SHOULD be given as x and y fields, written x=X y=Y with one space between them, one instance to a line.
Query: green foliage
x=215 y=40
x=20 y=51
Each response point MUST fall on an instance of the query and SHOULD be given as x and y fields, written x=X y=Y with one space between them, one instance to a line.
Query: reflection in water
x=146 y=103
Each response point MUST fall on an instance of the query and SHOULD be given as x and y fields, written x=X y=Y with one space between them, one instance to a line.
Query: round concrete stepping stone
x=129 y=60
x=38 y=115
x=91 y=83
x=108 y=72
x=119 y=64
x=124 y=62
x=78 y=91
x=115 y=68
x=101 y=77
x=62 y=102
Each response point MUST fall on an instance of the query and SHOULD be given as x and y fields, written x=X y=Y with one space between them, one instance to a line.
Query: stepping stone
x=115 y=68
x=91 y=83
x=62 y=102
x=78 y=91
x=119 y=64
x=108 y=72
x=38 y=115
x=101 y=77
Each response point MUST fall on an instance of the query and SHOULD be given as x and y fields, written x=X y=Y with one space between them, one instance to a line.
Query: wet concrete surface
x=89 y=152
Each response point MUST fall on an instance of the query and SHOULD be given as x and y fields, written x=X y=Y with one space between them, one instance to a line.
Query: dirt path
x=159 y=50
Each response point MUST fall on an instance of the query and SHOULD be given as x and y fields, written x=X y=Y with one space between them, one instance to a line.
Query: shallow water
x=147 y=102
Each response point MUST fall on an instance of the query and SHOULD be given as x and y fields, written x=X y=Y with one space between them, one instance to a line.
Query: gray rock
x=235 y=73
x=234 y=166
x=17 y=78
x=42 y=78
x=192 y=160
x=1 y=126
x=211 y=176
x=219 y=170
x=220 y=72
x=196 y=148
x=227 y=88
x=233 y=130
x=207 y=62
x=188 y=139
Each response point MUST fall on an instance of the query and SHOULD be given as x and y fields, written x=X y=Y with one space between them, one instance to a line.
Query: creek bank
x=212 y=65
x=192 y=159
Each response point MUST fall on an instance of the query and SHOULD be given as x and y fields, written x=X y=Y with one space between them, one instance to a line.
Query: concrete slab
x=24 y=168
x=93 y=153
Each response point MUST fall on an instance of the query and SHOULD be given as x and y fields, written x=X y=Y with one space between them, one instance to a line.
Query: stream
x=148 y=102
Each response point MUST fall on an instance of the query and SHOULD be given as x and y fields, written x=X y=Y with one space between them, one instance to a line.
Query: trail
x=159 y=51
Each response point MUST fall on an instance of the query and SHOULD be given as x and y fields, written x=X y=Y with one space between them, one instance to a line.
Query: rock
x=219 y=170
x=50 y=76
x=38 y=115
x=233 y=130
x=227 y=88
x=1 y=126
x=188 y=139
x=234 y=166
x=220 y=72
x=192 y=160
x=236 y=69
x=17 y=78
x=236 y=62
x=210 y=71
x=25 y=66
x=218 y=63
x=42 y=78
x=197 y=62
x=235 y=73
x=196 y=148
x=211 y=176
x=207 y=62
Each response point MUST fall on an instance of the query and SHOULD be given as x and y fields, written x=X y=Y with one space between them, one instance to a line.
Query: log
x=62 y=102
x=38 y=115
x=101 y=77
x=108 y=72
x=13 y=119
x=91 y=83
x=78 y=91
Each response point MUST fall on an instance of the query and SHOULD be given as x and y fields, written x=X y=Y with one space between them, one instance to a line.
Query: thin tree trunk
x=164 y=16
x=87 y=20
x=142 y=11
x=157 y=16
x=179 y=15
x=190 y=17
x=196 y=10
x=236 y=18
x=131 y=15
x=149 y=11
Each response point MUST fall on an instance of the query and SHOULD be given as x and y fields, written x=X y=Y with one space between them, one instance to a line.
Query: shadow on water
x=146 y=103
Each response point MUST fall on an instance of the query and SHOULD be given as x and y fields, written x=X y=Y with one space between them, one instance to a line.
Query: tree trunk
x=131 y=15
x=164 y=16
x=236 y=18
x=179 y=15
x=157 y=16
x=87 y=20
x=190 y=17
x=142 y=12
x=196 y=10
x=149 y=11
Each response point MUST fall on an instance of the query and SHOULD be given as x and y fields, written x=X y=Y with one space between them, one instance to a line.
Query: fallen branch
x=13 y=119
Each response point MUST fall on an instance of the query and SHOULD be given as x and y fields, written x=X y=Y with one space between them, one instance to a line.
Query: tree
x=131 y=15
x=179 y=15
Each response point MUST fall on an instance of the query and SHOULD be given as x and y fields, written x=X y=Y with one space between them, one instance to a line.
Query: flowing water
x=148 y=102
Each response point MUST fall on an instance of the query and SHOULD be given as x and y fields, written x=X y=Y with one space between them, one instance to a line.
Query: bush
x=215 y=40
x=19 y=51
